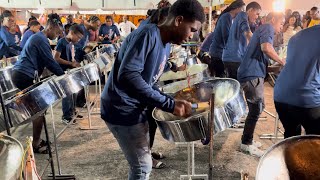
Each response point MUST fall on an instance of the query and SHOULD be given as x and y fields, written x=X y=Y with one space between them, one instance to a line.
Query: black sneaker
x=67 y=121
x=79 y=116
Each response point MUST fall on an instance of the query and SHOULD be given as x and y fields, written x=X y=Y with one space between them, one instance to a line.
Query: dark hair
x=314 y=8
x=109 y=17
x=254 y=5
x=93 y=19
x=139 y=20
x=33 y=23
x=297 y=15
x=234 y=5
x=32 y=18
x=5 y=13
x=67 y=26
x=76 y=29
x=159 y=15
x=295 y=24
x=54 y=20
x=150 y=12
x=189 y=9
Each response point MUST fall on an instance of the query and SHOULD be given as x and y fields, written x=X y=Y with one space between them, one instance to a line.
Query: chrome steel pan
x=73 y=81
x=195 y=127
x=6 y=83
x=293 y=158
x=92 y=72
x=34 y=100
x=11 y=154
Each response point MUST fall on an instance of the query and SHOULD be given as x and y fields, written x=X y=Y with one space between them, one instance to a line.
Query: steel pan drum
x=6 y=83
x=16 y=119
x=73 y=81
x=92 y=72
x=293 y=158
x=11 y=153
x=195 y=127
x=193 y=70
x=34 y=100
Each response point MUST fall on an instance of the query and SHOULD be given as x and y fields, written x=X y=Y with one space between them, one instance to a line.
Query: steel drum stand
x=6 y=115
x=191 y=165
x=60 y=176
x=275 y=131
x=89 y=109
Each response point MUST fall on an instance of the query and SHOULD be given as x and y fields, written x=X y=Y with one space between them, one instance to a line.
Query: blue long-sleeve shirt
x=25 y=37
x=8 y=46
x=79 y=53
x=112 y=31
x=129 y=90
x=35 y=56
x=220 y=35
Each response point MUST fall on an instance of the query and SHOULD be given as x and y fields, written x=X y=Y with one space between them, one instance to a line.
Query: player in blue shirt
x=8 y=46
x=63 y=55
x=129 y=90
x=108 y=32
x=35 y=56
x=251 y=74
x=34 y=28
x=220 y=37
x=296 y=92
x=239 y=37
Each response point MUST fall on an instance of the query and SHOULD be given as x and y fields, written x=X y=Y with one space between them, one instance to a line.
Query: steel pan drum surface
x=72 y=82
x=11 y=153
x=195 y=127
x=6 y=83
x=293 y=158
x=34 y=100
x=92 y=72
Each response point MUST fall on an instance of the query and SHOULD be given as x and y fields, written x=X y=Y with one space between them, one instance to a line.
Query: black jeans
x=217 y=67
x=231 y=69
x=254 y=93
x=292 y=117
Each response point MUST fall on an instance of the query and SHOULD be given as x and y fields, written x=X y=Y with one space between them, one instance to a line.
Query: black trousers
x=152 y=126
x=292 y=117
x=217 y=67
x=231 y=69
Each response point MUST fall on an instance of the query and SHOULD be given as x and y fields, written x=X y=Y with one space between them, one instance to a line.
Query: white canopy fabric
x=295 y=5
x=77 y=5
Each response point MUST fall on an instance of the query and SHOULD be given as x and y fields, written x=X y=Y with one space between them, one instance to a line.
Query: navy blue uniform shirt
x=25 y=37
x=220 y=35
x=137 y=67
x=255 y=62
x=112 y=31
x=299 y=82
x=8 y=46
x=237 y=41
x=35 y=56
x=64 y=47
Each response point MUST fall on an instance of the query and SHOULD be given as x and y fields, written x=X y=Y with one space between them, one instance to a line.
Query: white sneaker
x=251 y=149
x=256 y=143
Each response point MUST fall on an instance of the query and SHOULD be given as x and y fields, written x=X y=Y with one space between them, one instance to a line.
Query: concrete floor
x=95 y=154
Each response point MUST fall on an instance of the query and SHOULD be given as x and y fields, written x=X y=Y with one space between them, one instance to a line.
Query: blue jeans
x=134 y=143
x=68 y=108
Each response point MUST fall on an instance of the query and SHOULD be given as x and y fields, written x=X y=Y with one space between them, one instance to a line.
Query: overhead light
x=279 y=5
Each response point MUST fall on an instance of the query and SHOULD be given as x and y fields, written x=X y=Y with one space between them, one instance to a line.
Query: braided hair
x=234 y=5
x=54 y=20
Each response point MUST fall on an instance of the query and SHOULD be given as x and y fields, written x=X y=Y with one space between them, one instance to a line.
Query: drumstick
x=200 y=106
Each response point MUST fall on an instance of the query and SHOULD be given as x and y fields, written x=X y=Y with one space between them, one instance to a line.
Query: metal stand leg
x=275 y=131
x=6 y=115
x=191 y=165
x=49 y=148
x=86 y=90
x=60 y=176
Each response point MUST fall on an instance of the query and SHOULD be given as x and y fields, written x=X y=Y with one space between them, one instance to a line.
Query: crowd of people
x=239 y=45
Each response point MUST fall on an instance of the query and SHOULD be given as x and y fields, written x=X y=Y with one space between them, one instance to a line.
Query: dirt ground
x=95 y=154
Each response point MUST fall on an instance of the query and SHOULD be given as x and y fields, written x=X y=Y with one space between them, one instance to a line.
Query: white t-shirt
x=125 y=28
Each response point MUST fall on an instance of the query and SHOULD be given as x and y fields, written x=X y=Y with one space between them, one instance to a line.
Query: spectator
x=315 y=17
x=126 y=26
x=291 y=29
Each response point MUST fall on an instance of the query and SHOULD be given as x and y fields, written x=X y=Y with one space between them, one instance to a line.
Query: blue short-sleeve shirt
x=112 y=31
x=254 y=63
x=299 y=81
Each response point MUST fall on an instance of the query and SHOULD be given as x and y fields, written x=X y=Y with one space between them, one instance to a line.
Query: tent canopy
x=77 y=5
